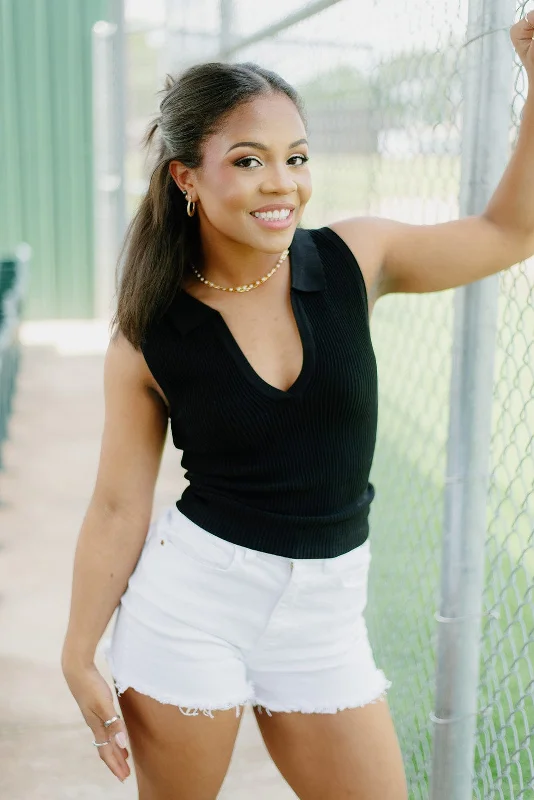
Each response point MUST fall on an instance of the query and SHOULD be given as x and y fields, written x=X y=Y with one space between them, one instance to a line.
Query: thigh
x=174 y=754
x=353 y=754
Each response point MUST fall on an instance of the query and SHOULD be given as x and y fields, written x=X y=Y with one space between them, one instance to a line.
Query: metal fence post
x=487 y=96
x=226 y=32
x=120 y=98
x=109 y=149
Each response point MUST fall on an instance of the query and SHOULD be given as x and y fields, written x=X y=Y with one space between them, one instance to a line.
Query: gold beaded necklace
x=247 y=286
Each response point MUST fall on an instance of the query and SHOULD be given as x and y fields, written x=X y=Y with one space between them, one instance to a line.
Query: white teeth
x=282 y=213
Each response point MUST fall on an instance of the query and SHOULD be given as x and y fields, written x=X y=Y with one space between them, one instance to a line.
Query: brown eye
x=247 y=158
x=303 y=158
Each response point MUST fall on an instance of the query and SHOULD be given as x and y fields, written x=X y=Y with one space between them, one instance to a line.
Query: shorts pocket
x=196 y=545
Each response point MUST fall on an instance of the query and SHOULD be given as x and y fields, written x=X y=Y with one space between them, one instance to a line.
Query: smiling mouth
x=274 y=220
x=277 y=214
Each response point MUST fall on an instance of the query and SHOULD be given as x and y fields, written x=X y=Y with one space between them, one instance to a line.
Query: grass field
x=412 y=338
x=347 y=184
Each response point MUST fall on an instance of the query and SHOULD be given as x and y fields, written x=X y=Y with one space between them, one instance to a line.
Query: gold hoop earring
x=191 y=206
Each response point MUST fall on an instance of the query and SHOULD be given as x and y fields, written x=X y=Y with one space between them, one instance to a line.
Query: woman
x=252 y=588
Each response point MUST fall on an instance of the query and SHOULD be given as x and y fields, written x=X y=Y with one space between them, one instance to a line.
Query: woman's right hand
x=95 y=700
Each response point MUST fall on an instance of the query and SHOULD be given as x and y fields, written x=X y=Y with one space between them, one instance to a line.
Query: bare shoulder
x=135 y=429
x=366 y=238
x=125 y=364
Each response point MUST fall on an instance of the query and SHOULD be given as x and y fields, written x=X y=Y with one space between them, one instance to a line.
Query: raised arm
x=431 y=258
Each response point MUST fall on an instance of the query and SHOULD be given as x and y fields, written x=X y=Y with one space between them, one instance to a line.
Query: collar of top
x=307 y=275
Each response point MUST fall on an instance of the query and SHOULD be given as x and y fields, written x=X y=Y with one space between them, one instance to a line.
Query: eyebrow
x=260 y=146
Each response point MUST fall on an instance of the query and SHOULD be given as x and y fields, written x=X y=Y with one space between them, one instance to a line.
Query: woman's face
x=255 y=163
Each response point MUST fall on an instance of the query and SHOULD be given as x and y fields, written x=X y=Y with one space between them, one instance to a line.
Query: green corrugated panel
x=45 y=148
x=10 y=194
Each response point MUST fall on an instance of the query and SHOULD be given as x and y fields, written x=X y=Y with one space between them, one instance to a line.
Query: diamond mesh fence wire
x=383 y=87
x=504 y=758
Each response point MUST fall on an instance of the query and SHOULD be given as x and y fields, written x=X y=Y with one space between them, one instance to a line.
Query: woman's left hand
x=521 y=35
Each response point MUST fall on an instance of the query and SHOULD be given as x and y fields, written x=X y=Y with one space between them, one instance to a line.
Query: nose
x=279 y=181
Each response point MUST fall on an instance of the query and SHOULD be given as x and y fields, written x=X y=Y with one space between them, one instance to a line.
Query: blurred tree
x=343 y=83
x=421 y=86
x=417 y=87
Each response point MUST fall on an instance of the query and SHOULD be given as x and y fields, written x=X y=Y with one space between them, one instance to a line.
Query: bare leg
x=178 y=756
x=351 y=755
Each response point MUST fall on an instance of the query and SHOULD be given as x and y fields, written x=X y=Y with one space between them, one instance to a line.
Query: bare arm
x=117 y=519
x=432 y=258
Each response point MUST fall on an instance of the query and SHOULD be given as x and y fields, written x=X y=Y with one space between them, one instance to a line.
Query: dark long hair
x=161 y=238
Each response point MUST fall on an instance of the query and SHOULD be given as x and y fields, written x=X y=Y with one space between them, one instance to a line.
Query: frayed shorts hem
x=304 y=708
x=189 y=709
x=194 y=707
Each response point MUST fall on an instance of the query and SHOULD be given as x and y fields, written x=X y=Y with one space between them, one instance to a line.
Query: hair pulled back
x=161 y=238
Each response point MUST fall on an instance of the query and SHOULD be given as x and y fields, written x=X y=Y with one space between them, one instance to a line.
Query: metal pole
x=488 y=94
x=119 y=85
x=226 y=32
x=309 y=10
x=168 y=58
x=107 y=181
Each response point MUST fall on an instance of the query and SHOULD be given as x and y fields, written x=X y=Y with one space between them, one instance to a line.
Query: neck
x=230 y=263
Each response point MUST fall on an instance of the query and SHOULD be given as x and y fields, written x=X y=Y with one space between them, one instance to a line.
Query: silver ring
x=101 y=744
x=111 y=721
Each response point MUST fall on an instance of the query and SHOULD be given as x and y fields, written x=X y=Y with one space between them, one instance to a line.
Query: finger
x=118 y=758
x=109 y=755
x=114 y=754
x=523 y=29
x=114 y=757
x=522 y=36
x=115 y=729
x=121 y=755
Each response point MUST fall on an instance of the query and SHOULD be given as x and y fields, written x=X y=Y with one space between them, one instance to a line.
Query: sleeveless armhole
x=156 y=369
x=348 y=258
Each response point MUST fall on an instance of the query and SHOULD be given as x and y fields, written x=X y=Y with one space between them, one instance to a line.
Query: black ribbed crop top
x=284 y=472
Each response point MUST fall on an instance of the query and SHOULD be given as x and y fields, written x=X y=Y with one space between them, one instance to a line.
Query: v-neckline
x=308 y=354
x=300 y=383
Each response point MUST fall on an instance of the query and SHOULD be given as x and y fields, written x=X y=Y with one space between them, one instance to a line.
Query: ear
x=182 y=177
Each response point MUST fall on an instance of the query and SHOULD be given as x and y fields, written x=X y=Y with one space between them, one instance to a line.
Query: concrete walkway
x=50 y=467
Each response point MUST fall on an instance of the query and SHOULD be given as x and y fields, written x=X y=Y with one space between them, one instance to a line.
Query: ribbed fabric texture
x=281 y=472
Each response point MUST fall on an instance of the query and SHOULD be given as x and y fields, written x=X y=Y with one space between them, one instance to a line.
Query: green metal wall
x=46 y=196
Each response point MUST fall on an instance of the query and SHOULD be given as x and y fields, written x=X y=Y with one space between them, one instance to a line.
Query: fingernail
x=120 y=738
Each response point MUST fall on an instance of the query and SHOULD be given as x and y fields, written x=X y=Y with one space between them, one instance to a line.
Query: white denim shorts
x=207 y=625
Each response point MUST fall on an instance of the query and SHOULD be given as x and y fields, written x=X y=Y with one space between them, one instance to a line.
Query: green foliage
x=342 y=83
x=421 y=86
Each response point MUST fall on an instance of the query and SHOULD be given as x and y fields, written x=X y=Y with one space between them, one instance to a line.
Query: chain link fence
x=385 y=87
x=505 y=734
